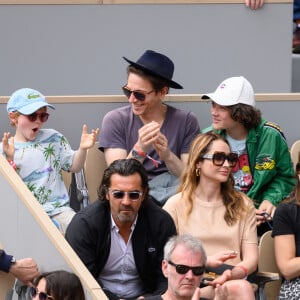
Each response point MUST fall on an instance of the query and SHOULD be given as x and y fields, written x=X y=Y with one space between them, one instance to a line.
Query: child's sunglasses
x=42 y=296
x=42 y=116
x=141 y=96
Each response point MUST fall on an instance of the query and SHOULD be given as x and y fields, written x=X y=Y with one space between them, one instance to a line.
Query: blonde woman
x=209 y=208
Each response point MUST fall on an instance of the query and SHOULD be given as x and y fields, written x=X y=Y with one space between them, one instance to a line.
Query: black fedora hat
x=156 y=64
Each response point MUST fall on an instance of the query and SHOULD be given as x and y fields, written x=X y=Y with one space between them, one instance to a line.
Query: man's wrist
x=6 y=261
x=137 y=152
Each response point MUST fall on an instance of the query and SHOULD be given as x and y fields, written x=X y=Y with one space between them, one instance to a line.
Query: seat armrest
x=262 y=278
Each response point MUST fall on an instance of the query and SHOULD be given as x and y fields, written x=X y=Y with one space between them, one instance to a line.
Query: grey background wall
x=78 y=49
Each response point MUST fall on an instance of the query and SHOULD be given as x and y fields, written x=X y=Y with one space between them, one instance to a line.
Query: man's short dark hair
x=157 y=82
x=123 y=167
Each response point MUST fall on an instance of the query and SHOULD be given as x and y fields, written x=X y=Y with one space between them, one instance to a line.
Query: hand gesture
x=221 y=292
x=265 y=212
x=8 y=146
x=25 y=270
x=219 y=258
x=88 y=139
x=254 y=4
x=220 y=279
x=196 y=295
x=147 y=135
x=161 y=147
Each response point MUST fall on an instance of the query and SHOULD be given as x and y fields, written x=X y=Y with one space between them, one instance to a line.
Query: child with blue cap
x=39 y=155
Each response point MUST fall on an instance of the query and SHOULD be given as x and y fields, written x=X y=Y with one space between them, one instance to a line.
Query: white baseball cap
x=231 y=91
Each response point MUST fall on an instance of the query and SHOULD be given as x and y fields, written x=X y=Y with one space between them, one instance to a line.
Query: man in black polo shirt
x=120 y=237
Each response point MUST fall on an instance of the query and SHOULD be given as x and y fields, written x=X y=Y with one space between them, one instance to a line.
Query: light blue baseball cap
x=27 y=101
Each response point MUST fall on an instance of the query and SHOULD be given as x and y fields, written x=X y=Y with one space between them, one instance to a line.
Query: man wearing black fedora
x=156 y=134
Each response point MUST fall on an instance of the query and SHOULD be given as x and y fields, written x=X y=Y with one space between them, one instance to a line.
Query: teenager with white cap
x=156 y=134
x=265 y=170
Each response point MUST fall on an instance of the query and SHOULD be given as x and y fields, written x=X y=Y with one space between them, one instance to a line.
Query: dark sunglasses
x=42 y=116
x=133 y=195
x=218 y=158
x=182 y=269
x=141 y=96
x=42 y=296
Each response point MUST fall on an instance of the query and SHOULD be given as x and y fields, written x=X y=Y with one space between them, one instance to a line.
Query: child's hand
x=88 y=139
x=8 y=146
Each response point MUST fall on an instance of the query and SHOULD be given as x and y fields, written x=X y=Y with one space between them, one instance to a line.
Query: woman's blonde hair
x=233 y=200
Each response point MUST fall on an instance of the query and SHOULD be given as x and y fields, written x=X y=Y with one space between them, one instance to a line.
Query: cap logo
x=33 y=96
x=222 y=86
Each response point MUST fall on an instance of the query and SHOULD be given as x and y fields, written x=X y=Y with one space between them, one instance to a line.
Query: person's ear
x=107 y=197
x=163 y=92
x=13 y=117
x=145 y=192
x=106 y=194
x=164 y=267
x=199 y=165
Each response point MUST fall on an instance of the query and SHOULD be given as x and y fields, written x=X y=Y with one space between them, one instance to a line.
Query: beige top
x=206 y=222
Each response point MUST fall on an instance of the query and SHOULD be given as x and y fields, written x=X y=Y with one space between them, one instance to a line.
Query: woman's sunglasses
x=141 y=96
x=42 y=296
x=133 y=195
x=42 y=116
x=182 y=269
x=218 y=158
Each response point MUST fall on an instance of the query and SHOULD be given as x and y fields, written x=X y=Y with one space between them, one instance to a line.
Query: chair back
x=95 y=165
x=266 y=261
x=267 y=264
x=67 y=178
x=295 y=152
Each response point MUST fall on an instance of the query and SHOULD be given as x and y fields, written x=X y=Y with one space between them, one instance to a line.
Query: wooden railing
x=130 y=1
x=27 y=231
x=260 y=97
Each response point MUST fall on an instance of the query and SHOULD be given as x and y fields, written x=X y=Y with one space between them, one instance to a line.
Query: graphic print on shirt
x=242 y=174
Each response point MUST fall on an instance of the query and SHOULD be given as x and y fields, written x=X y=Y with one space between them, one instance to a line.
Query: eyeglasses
x=42 y=116
x=182 y=269
x=133 y=195
x=218 y=158
x=42 y=296
x=138 y=95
